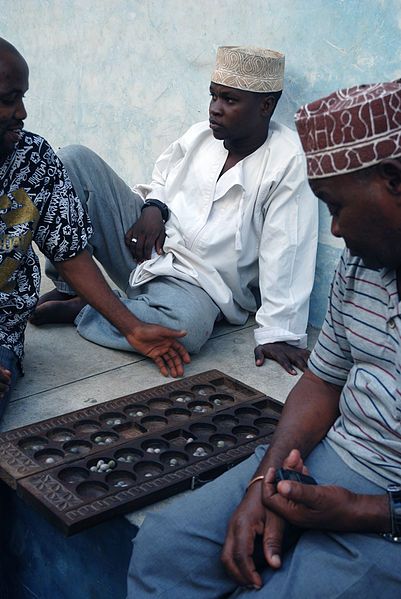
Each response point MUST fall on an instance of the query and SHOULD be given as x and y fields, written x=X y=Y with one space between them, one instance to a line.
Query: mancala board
x=81 y=468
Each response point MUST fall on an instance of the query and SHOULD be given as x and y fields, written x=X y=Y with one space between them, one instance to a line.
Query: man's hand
x=294 y=461
x=157 y=342
x=149 y=231
x=325 y=507
x=5 y=381
x=250 y=519
x=283 y=353
x=160 y=345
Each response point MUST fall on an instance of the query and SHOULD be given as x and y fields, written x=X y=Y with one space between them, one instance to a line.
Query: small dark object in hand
x=283 y=474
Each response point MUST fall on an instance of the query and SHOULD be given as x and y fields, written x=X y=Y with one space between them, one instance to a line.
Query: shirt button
x=391 y=323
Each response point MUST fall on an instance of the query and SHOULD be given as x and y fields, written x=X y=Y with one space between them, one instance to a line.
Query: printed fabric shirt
x=37 y=203
x=359 y=348
x=247 y=238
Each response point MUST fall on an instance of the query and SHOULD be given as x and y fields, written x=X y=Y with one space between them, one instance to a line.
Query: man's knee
x=152 y=545
x=198 y=329
x=156 y=531
x=194 y=341
x=76 y=155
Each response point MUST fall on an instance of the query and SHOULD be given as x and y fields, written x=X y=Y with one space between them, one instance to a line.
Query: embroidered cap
x=250 y=69
x=351 y=129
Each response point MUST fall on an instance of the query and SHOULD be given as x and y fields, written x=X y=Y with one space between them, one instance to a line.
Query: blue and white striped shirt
x=359 y=348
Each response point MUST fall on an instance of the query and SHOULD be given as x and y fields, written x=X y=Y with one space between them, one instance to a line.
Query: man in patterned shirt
x=338 y=538
x=38 y=203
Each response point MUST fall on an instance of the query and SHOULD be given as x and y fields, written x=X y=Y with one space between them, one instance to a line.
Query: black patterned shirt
x=37 y=203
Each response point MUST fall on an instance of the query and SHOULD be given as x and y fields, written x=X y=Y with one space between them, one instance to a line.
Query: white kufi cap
x=250 y=69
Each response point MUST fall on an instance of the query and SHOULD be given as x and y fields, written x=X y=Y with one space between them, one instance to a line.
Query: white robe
x=255 y=227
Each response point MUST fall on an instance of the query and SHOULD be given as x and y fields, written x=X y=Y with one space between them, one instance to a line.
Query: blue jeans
x=177 y=551
x=113 y=208
x=8 y=360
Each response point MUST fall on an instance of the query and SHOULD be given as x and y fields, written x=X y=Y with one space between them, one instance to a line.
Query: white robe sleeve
x=287 y=258
x=164 y=164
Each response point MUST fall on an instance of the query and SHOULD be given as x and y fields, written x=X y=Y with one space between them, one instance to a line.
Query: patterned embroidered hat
x=351 y=129
x=249 y=69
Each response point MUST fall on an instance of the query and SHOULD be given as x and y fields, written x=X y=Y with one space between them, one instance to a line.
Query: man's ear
x=267 y=106
x=390 y=172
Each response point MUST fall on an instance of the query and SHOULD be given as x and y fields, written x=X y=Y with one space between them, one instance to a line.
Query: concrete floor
x=64 y=372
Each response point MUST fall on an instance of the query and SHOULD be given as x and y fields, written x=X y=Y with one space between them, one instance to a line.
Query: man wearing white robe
x=240 y=230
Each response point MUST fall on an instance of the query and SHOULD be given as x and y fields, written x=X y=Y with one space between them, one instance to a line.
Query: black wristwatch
x=394 y=498
x=160 y=205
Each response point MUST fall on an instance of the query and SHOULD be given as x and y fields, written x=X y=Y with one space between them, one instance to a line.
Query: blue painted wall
x=126 y=77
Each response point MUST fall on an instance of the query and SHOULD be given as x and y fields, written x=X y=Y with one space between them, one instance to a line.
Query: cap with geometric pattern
x=351 y=129
x=250 y=69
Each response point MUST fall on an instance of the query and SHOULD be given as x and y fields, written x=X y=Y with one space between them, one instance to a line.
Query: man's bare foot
x=62 y=311
x=54 y=295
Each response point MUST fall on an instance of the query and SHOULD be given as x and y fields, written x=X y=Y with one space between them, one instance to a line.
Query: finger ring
x=134 y=240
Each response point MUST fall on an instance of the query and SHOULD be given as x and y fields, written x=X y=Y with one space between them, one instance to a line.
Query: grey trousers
x=113 y=208
x=177 y=550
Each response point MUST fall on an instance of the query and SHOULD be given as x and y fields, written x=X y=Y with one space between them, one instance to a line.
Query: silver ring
x=134 y=240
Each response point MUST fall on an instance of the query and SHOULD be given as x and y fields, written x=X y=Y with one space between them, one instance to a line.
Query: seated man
x=294 y=540
x=38 y=203
x=228 y=217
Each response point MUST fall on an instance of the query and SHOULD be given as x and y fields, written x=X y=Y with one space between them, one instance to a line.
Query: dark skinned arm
x=285 y=354
x=310 y=410
x=326 y=507
x=157 y=342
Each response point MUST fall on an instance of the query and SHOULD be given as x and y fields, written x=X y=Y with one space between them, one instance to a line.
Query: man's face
x=235 y=114
x=365 y=215
x=13 y=85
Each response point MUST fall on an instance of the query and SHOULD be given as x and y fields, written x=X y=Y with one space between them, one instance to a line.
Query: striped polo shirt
x=359 y=349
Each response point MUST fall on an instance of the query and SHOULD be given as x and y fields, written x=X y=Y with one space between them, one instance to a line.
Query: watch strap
x=394 y=498
x=160 y=205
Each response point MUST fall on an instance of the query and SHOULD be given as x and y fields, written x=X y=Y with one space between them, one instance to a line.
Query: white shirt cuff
x=274 y=334
x=146 y=191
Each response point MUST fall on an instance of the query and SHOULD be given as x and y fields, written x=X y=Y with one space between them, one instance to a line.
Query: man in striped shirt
x=338 y=538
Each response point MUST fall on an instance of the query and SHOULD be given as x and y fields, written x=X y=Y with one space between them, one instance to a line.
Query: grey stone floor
x=64 y=372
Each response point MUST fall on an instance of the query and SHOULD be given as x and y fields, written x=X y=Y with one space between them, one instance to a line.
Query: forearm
x=287 y=261
x=310 y=410
x=84 y=276
x=283 y=313
x=371 y=514
x=327 y=507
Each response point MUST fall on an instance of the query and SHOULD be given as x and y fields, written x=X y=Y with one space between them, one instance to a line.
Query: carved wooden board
x=92 y=464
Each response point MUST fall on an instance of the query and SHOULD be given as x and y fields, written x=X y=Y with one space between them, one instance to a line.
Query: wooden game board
x=89 y=465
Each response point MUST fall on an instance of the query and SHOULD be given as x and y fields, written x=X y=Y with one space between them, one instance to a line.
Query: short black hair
x=275 y=95
x=364 y=174
x=5 y=46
